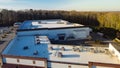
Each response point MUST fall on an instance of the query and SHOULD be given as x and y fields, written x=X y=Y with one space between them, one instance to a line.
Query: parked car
x=17 y=24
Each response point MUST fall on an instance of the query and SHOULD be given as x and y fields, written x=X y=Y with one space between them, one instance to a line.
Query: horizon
x=65 y=5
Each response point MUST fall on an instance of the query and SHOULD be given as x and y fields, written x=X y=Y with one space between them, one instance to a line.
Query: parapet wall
x=114 y=51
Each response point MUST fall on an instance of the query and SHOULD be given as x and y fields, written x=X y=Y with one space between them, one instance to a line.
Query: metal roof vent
x=35 y=53
x=25 y=47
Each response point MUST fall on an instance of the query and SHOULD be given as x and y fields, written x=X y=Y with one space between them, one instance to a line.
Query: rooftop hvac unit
x=59 y=54
x=63 y=49
x=37 y=39
x=50 y=48
x=37 y=36
x=38 y=42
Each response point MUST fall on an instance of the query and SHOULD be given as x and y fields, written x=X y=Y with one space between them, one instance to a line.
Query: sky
x=78 y=5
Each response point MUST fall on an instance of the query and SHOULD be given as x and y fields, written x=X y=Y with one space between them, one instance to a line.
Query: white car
x=17 y=24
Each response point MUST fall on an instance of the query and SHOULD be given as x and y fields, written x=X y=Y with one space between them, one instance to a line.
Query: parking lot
x=6 y=34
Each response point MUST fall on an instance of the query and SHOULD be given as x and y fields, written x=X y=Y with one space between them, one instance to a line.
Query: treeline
x=100 y=20
x=9 y=17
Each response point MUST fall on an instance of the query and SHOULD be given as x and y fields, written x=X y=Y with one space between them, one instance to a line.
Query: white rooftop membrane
x=81 y=57
x=54 y=23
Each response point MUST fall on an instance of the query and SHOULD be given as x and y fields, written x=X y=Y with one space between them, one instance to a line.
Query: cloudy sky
x=79 y=5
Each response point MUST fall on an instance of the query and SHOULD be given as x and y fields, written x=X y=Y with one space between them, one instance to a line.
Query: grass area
x=116 y=40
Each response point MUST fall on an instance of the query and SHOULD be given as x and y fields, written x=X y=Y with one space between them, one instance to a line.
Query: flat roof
x=27 y=46
x=52 y=23
x=116 y=45
x=81 y=57
x=30 y=46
